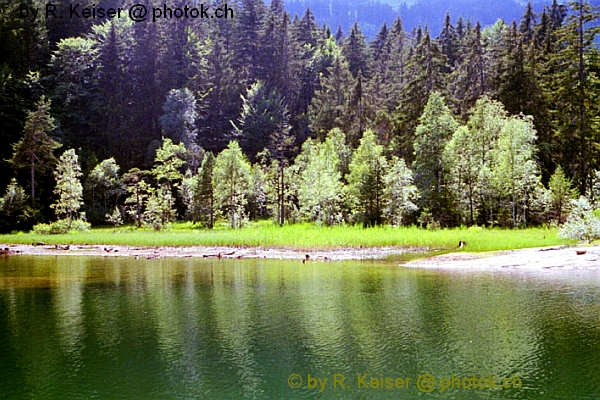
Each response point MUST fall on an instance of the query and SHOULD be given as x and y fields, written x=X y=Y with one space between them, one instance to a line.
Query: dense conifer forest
x=268 y=114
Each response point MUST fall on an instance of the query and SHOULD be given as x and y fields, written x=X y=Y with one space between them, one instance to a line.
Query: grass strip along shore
x=305 y=237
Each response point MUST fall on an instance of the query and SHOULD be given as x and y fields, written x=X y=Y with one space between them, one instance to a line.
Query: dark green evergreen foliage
x=527 y=25
x=75 y=64
x=35 y=150
x=366 y=181
x=249 y=29
x=263 y=114
x=356 y=51
x=329 y=108
x=449 y=41
x=424 y=74
x=471 y=80
x=574 y=86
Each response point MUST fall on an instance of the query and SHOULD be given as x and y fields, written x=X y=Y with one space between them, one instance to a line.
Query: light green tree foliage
x=138 y=190
x=366 y=181
x=159 y=212
x=516 y=173
x=280 y=143
x=257 y=199
x=168 y=162
x=204 y=200
x=593 y=190
x=232 y=181
x=14 y=211
x=281 y=191
x=186 y=191
x=435 y=129
x=68 y=187
x=115 y=218
x=581 y=223
x=35 y=149
x=463 y=172
x=344 y=151
x=320 y=186
x=400 y=193
x=468 y=157
x=485 y=122
x=105 y=178
x=561 y=193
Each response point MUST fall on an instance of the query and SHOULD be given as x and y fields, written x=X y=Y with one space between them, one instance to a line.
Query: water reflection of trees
x=194 y=326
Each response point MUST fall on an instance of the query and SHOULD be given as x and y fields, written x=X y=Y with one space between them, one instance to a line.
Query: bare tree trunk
x=32 y=179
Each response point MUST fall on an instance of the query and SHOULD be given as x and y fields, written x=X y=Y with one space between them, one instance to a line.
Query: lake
x=118 y=328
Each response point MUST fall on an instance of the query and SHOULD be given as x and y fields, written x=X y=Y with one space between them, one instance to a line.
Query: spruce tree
x=35 y=149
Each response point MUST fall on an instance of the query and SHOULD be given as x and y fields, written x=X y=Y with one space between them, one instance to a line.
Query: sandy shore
x=204 y=252
x=565 y=258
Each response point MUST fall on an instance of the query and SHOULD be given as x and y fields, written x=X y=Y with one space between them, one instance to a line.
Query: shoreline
x=219 y=252
x=541 y=258
x=532 y=259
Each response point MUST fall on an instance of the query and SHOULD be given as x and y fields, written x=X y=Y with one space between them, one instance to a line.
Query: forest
x=268 y=115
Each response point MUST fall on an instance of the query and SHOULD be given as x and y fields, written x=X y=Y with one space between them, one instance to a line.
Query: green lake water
x=120 y=328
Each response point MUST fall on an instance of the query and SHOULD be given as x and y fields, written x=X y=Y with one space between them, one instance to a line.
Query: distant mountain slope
x=371 y=14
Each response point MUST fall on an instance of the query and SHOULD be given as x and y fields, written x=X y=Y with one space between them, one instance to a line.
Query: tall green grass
x=305 y=237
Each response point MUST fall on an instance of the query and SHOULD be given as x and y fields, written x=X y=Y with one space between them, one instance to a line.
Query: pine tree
x=280 y=144
x=250 y=25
